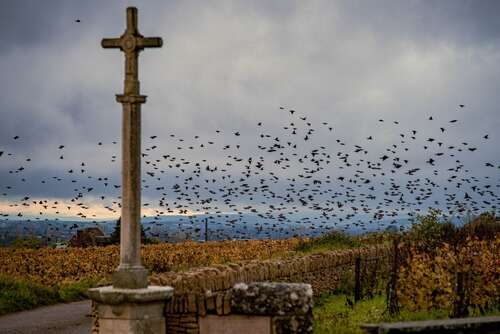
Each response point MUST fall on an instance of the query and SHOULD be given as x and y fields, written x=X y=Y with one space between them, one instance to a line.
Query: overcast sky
x=227 y=65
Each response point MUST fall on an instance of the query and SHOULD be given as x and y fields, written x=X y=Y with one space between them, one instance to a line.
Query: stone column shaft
x=131 y=83
x=130 y=247
x=130 y=274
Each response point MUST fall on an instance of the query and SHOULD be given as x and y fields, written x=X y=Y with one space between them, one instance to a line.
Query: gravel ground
x=71 y=318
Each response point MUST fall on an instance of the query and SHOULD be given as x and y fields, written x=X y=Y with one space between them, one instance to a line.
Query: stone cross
x=130 y=274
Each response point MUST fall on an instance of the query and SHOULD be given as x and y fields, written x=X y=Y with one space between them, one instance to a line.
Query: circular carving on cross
x=129 y=43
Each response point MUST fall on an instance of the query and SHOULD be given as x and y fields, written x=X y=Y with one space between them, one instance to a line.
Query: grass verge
x=18 y=295
x=330 y=241
x=333 y=315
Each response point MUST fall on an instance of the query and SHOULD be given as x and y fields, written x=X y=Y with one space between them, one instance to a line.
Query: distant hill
x=177 y=227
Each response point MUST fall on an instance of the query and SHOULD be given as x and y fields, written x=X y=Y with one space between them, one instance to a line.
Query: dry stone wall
x=208 y=290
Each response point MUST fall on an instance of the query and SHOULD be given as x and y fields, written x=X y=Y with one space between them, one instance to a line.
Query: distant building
x=87 y=237
x=60 y=245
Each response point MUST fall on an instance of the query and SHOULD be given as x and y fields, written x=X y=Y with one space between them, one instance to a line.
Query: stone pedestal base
x=131 y=311
x=130 y=278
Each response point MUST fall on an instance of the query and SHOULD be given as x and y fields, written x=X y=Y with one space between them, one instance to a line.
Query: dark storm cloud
x=228 y=65
x=463 y=23
x=27 y=23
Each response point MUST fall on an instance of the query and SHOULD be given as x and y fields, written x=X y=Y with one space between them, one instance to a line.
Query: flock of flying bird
x=285 y=179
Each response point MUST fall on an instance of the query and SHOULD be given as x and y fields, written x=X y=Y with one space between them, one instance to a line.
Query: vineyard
x=441 y=266
x=438 y=270
x=468 y=275
x=61 y=266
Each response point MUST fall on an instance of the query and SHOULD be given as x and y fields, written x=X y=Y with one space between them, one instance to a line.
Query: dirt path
x=56 y=319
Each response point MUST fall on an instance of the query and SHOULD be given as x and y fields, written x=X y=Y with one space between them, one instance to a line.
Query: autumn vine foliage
x=59 y=266
x=457 y=269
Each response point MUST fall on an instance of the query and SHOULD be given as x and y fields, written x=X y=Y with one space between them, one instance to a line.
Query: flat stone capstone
x=272 y=298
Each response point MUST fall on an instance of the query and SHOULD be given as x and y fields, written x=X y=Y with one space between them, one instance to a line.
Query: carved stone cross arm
x=131 y=42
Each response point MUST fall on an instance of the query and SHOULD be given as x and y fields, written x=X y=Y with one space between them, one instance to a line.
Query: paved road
x=71 y=318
